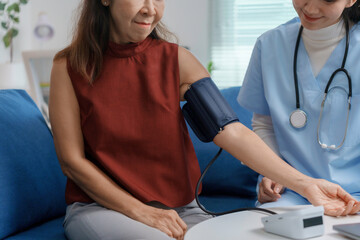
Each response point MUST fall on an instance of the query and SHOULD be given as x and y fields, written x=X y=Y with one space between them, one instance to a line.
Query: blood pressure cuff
x=206 y=111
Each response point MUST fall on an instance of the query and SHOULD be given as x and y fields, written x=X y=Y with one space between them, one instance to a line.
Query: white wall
x=60 y=16
x=188 y=19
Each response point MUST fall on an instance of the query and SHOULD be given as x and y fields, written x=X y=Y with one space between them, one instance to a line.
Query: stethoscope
x=298 y=118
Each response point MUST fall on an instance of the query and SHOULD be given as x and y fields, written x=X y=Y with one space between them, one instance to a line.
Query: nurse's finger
x=267 y=186
x=264 y=197
x=278 y=188
x=271 y=192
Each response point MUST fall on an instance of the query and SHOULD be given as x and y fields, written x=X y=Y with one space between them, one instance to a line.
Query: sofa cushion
x=227 y=176
x=223 y=203
x=31 y=182
x=51 y=230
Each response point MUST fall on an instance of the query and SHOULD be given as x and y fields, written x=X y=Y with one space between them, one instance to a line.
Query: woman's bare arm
x=246 y=146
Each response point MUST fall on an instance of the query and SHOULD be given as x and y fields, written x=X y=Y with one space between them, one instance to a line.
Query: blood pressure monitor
x=296 y=224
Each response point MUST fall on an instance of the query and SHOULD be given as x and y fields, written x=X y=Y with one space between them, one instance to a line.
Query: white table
x=247 y=225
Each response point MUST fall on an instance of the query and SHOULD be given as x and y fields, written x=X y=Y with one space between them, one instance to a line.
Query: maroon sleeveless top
x=133 y=127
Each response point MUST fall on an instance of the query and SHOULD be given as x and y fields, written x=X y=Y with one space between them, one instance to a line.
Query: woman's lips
x=143 y=24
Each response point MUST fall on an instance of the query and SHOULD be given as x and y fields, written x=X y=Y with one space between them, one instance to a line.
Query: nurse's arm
x=247 y=147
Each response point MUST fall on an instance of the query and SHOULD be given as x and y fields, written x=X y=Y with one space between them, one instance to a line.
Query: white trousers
x=93 y=221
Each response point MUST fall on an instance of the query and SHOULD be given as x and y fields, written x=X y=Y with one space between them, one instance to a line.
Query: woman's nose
x=148 y=8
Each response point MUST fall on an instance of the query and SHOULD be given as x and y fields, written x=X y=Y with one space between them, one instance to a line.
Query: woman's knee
x=96 y=222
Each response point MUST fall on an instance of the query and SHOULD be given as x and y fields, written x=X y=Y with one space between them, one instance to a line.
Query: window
x=235 y=26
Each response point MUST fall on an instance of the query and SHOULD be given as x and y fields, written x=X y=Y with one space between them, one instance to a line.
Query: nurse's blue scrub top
x=268 y=89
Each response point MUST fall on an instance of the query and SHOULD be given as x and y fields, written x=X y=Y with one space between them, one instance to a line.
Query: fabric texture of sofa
x=32 y=186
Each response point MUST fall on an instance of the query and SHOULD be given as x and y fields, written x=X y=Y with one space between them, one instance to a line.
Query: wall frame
x=38 y=64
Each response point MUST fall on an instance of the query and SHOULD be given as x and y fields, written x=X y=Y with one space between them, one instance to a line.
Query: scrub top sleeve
x=252 y=96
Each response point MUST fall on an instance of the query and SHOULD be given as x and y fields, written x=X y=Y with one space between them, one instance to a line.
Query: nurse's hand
x=269 y=191
x=335 y=200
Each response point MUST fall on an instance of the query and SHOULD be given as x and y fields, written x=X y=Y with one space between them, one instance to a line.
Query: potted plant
x=9 y=18
x=210 y=67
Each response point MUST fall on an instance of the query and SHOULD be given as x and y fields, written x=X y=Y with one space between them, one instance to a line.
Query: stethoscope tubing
x=295 y=68
x=298 y=117
x=341 y=69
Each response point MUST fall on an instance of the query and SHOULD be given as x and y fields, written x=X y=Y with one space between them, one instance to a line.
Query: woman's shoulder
x=60 y=60
x=61 y=67
x=59 y=63
x=63 y=63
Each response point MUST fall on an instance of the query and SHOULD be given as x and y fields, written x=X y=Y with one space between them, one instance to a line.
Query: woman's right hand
x=335 y=200
x=269 y=191
x=167 y=221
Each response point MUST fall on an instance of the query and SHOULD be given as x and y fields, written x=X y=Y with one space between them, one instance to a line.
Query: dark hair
x=352 y=13
x=91 y=38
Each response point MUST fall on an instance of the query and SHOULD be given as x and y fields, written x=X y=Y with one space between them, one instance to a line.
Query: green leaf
x=14 y=18
x=14 y=32
x=7 y=39
x=23 y=1
x=2 y=6
x=4 y=25
x=210 y=66
x=9 y=36
x=13 y=7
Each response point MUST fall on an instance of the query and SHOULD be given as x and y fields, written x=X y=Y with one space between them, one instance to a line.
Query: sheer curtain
x=235 y=26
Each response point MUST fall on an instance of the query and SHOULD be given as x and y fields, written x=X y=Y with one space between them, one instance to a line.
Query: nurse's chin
x=310 y=26
x=313 y=24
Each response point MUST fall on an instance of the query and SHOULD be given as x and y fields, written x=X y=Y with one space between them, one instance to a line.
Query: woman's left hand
x=335 y=200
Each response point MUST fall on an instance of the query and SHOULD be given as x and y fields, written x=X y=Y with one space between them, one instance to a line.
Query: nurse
x=302 y=78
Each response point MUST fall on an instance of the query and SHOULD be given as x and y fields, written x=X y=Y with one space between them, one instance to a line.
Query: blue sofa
x=32 y=186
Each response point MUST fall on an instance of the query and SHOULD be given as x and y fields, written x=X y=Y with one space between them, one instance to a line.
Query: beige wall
x=189 y=19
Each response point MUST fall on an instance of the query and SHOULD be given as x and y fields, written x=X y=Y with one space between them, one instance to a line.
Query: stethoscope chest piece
x=298 y=118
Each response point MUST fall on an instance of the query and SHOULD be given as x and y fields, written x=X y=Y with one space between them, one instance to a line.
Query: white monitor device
x=296 y=224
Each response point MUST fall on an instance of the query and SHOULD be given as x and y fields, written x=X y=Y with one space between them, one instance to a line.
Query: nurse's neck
x=321 y=43
x=323 y=34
